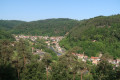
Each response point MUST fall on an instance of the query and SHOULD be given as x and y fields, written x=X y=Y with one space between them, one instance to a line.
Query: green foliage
x=23 y=49
x=6 y=36
x=96 y=35
x=88 y=76
x=48 y=27
x=34 y=71
x=40 y=44
x=9 y=24
x=117 y=73
x=67 y=68
x=6 y=51
x=104 y=71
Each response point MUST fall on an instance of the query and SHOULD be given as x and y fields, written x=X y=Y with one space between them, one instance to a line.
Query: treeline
x=48 y=27
x=97 y=35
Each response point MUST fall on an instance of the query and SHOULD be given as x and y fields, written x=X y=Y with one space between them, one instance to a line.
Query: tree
x=117 y=73
x=24 y=50
x=67 y=67
x=6 y=51
x=47 y=60
x=34 y=71
x=104 y=71
x=22 y=55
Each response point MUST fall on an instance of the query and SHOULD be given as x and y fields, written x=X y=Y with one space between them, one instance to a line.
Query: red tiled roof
x=86 y=56
x=73 y=53
x=94 y=57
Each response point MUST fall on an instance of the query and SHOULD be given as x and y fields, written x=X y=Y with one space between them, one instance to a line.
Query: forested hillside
x=9 y=24
x=96 y=35
x=48 y=27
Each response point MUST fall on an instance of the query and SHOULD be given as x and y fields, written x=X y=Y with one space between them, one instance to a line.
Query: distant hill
x=48 y=27
x=9 y=24
x=96 y=35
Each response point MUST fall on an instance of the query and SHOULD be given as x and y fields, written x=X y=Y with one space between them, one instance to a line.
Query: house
x=95 y=60
x=54 y=42
x=80 y=56
x=100 y=55
x=115 y=62
x=118 y=61
x=110 y=60
x=74 y=53
x=47 y=42
x=59 y=49
x=94 y=40
x=85 y=57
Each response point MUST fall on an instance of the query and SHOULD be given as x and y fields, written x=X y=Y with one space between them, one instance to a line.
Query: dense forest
x=96 y=35
x=9 y=24
x=48 y=27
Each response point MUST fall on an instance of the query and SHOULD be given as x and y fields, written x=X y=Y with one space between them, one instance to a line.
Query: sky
x=31 y=10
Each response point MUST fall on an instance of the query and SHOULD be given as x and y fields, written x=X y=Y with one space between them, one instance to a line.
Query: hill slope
x=96 y=35
x=48 y=27
x=9 y=24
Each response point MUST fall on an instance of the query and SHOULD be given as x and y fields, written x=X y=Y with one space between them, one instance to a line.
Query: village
x=96 y=60
x=53 y=43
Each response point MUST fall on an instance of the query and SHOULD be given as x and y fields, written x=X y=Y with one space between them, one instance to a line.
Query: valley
x=61 y=49
x=52 y=42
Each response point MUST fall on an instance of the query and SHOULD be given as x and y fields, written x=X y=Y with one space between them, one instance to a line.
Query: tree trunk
x=18 y=74
x=47 y=73
x=81 y=75
x=74 y=76
x=24 y=61
x=4 y=60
